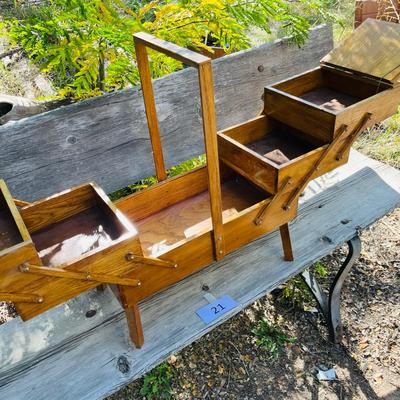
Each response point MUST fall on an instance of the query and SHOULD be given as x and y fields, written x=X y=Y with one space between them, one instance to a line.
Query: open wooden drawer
x=174 y=223
x=360 y=76
x=267 y=152
x=76 y=240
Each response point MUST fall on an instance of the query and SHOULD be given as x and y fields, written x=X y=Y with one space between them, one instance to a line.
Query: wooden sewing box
x=56 y=248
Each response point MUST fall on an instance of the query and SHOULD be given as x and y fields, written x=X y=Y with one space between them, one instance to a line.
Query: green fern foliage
x=86 y=46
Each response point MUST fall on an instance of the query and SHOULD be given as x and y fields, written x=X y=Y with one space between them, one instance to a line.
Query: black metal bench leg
x=330 y=304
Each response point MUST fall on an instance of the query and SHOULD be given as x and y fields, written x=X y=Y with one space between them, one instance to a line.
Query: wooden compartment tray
x=174 y=223
x=267 y=152
x=78 y=239
x=360 y=76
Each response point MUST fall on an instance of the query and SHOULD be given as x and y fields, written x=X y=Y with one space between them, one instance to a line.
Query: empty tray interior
x=330 y=89
x=280 y=146
x=70 y=238
x=192 y=216
x=9 y=232
x=272 y=139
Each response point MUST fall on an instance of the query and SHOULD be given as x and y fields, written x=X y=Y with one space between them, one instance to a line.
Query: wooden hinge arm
x=353 y=135
x=83 y=276
x=21 y=297
x=347 y=143
x=315 y=167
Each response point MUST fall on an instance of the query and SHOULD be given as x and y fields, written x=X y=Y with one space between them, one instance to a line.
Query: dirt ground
x=227 y=363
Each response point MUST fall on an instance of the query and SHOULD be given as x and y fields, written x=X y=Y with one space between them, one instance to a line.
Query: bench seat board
x=70 y=356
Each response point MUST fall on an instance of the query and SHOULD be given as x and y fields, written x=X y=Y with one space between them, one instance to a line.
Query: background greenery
x=86 y=45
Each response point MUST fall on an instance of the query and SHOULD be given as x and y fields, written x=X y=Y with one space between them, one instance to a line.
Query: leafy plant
x=87 y=46
x=9 y=83
x=296 y=293
x=157 y=383
x=271 y=338
x=151 y=180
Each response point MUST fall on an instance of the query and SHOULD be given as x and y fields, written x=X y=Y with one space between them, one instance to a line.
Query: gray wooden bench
x=81 y=349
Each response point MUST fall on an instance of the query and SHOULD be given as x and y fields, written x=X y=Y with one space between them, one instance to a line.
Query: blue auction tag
x=216 y=309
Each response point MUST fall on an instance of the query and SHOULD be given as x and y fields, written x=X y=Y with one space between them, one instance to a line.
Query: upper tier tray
x=359 y=76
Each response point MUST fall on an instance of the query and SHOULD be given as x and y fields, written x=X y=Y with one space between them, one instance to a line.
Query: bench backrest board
x=105 y=139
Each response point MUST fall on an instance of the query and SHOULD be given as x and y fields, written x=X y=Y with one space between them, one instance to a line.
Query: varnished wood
x=248 y=163
x=341 y=99
x=248 y=131
x=206 y=85
x=286 y=242
x=150 y=261
x=373 y=49
x=135 y=327
x=73 y=237
x=56 y=290
x=275 y=200
x=150 y=108
x=63 y=205
x=8 y=207
x=21 y=203
x=269 y=149
x=147 y=202
x=286 y=108
x=350 y=139
x=315 y=167
x=187 y=219
x=21 y=298
x=81 y=276
x=82 y=236
x=182 y=54
x=193 y=253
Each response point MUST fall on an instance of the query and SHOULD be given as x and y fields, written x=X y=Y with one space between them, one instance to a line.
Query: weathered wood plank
x=73 y=357
x=105 y=139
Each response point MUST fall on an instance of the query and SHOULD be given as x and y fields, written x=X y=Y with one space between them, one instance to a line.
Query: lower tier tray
x=192 y=216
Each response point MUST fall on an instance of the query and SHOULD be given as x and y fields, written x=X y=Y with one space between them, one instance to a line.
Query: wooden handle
x=182 y=54
x=206 y=84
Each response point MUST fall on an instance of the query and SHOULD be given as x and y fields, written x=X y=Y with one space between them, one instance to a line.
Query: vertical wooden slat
x=150 y=107
x=210 y=138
